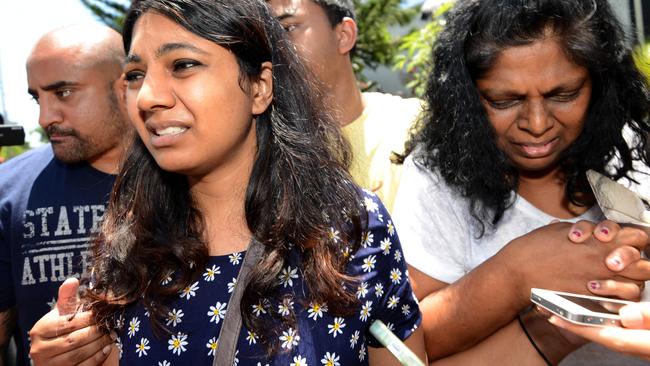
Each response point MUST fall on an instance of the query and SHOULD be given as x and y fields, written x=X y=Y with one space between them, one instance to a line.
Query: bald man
x=52 y=199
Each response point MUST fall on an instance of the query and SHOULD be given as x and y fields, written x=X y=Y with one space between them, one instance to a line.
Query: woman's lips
x=538 y=150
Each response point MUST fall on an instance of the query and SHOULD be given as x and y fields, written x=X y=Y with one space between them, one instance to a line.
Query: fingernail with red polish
x=577 y=233
x=594 y=285
x=604 y=231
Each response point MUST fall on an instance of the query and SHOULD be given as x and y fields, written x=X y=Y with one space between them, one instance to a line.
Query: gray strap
x=225 y=354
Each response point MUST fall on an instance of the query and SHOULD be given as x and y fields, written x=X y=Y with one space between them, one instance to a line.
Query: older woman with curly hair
x=525 y=97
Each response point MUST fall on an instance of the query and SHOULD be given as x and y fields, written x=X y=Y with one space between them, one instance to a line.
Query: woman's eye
x=566 y=97
x=185 y=64
x=289 y=27
x=503 y=104
x=132 y=76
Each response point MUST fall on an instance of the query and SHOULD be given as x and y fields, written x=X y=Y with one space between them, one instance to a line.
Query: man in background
x=52 y=198
x=376 y=124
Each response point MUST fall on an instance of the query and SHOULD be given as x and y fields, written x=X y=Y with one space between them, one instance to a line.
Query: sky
x=22 y=23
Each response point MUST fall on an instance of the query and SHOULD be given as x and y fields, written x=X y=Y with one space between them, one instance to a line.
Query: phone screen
x=594 y=305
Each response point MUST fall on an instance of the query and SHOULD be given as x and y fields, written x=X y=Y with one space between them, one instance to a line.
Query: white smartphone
x=579 y=309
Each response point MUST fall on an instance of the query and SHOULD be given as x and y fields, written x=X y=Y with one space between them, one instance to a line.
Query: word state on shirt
x=55 y=241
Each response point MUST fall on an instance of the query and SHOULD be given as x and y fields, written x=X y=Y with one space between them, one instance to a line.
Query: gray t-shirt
x=439 y=237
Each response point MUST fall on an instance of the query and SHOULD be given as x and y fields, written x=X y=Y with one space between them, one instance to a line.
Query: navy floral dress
x=319 y=338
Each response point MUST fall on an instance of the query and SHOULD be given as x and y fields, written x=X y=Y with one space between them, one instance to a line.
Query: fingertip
x=615 y=263
x=631 y=316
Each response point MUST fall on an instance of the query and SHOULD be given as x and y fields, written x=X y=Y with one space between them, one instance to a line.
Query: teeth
x=170 y=131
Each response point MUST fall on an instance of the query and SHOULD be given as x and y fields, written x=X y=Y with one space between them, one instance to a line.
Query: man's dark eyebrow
x=58 y=85
x=52 y=86
x=166 y=48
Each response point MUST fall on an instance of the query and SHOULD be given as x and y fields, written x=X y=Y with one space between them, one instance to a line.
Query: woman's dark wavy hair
x=299 y=187
x=455 y=136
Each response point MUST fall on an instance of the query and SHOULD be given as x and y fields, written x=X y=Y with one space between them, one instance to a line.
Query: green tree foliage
x=8 y=152
x=415 y=50
x=109 y=12
x=375 y=45
x=642 y=59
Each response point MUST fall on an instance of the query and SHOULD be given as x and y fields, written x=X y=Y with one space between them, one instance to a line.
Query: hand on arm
x=63 y=337
x=458 y=316
x=625 y=245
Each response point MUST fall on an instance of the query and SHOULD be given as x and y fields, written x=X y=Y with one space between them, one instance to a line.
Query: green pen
x=403 y=354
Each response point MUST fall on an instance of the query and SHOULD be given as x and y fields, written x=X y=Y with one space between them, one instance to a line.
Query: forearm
x=7 y=324
x=509 y=346
x=466 y=312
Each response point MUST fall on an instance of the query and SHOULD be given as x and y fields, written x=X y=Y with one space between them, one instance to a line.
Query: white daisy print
x=385 y=245
x=396 y=276
x=367 y=238
x=119 y=322
x=251 y=338
x=330 y=359
x=259 y=309
x=336 y=327
x=334 y=235
x=362 y=290
x=142 y=347
x=209 y=273
x=212 y=346
x=177 y=343
x=362 y=352
x=392 y=302
x=365 y=311
x=234 y=258
x=134 y=326
x=379 y=290
x=231 y=285
x=390 y=228
x=369 y=263
x=390 y=326
x=398 y=255
x=51 y=304
x=370 y=204
x=354 y=339
x=286 y=307
x=287 y=276
x=164 y=363
x=347 y=252
x=235 y=362
x=167 y=280
x=289 y=338
x=316 y=310
x=119 y=345
x=299 y=361
x=174 y=317
x=190 y=291
x=217 y=312
x=406 y=309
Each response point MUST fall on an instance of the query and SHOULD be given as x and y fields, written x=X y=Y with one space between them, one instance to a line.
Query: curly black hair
x=455 y=138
